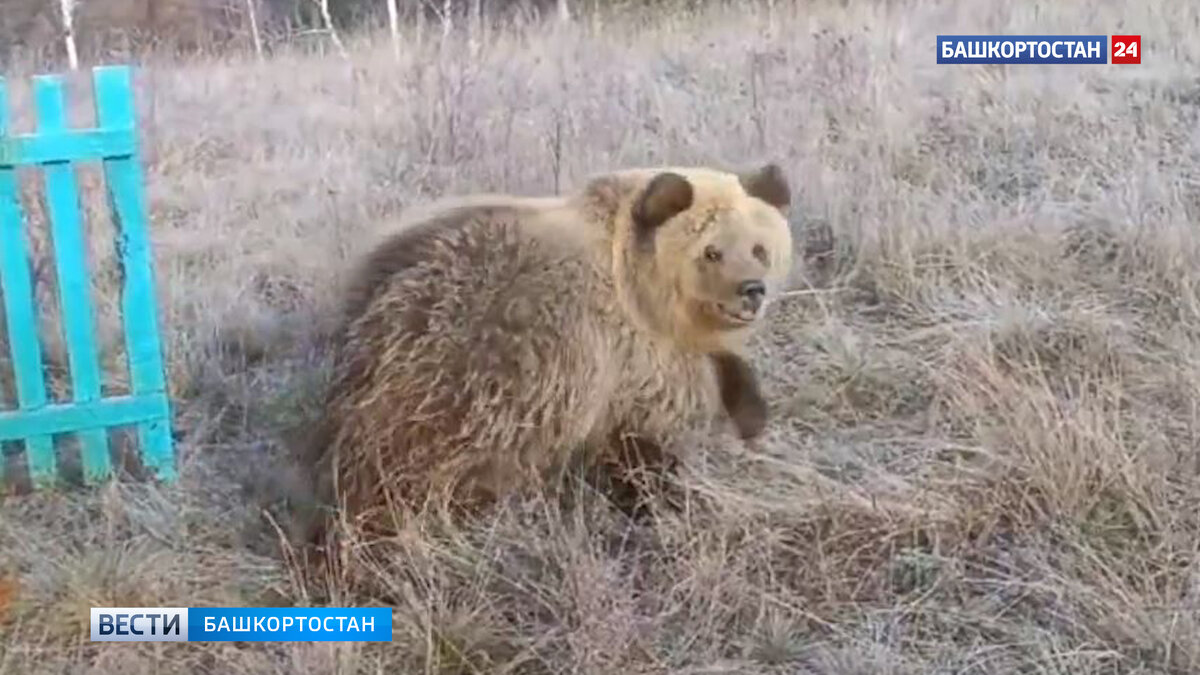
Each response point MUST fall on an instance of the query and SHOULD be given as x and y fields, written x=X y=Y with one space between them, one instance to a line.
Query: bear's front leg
x=740 y=394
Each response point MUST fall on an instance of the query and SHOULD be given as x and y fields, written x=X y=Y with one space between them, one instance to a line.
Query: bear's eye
x=712 y=254
x=760 y=252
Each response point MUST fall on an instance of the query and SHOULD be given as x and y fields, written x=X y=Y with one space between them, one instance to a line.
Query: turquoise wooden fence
x=56 y=149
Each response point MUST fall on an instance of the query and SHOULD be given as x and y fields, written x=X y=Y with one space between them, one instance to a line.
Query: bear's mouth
x=738 y=315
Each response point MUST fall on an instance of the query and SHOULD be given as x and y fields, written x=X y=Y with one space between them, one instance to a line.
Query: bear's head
x=701 y=253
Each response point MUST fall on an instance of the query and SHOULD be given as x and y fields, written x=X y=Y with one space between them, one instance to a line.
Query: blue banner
x=1020 y=49
x=241 y=624
x=289 y=624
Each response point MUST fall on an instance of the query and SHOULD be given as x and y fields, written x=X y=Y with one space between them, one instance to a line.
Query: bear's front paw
x=740 y=394
x=750 y=417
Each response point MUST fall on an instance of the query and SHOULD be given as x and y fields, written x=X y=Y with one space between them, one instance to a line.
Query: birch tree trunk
x=67 y=7
x=420 y=4
x=447 y=18
x=477 y=21
x=323 y=5
x=254 y=27
x=394 y=26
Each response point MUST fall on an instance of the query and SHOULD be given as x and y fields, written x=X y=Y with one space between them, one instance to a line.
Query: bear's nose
x=752 y=289
x=752 y=292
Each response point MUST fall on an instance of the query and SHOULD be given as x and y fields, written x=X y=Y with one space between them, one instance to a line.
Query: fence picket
x=70 y=253
x=114 y=109
x=19 y=312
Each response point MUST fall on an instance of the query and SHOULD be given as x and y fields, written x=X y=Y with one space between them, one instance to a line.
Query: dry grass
x=983 y=452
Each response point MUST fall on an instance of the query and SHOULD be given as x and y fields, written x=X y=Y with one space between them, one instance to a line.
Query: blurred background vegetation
x=32 y=31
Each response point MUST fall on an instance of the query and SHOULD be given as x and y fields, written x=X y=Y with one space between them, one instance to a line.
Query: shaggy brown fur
x=489 y=346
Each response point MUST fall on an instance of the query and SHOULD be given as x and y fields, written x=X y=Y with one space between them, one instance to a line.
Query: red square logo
x=1127 y=49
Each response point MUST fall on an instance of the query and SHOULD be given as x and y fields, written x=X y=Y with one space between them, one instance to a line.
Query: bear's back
x=541 y=227
x=475 y=349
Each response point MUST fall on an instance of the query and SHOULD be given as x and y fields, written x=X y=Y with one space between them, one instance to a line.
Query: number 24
x=1126 y=49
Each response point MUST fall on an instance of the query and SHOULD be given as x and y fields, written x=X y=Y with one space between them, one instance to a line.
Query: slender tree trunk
x=394 y=27
x=420 y=5
x=250 y=9
x=447 y=18
x=474 y=23
x=323 y=5
x=68 y=18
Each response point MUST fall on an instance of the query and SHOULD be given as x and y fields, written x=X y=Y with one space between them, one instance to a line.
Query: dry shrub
x=184 y=25
x=31 y=31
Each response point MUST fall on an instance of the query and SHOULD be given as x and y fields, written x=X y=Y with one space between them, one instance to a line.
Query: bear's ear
x=667 y=195
x=768 y=184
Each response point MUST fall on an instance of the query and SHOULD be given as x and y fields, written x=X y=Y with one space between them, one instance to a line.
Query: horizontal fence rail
x=56 y=150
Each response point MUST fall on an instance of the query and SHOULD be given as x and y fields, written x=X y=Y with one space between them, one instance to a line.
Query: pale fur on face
x=686 y=239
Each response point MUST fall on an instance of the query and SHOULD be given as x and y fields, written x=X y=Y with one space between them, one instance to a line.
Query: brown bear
x=494 y=342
